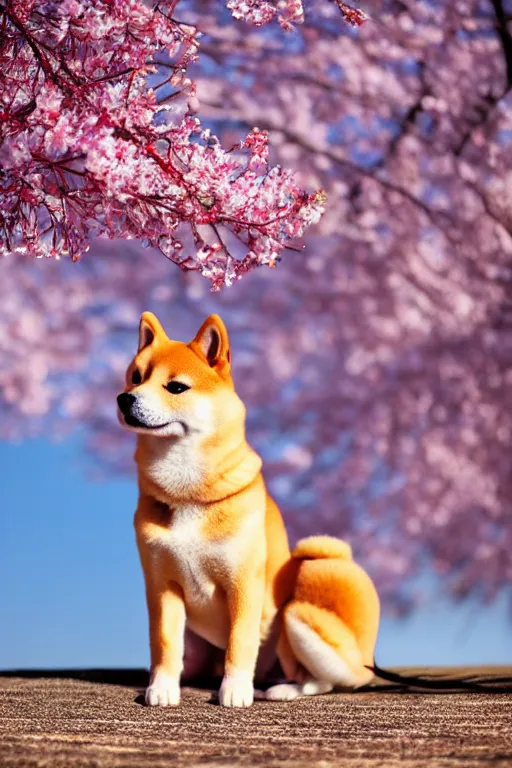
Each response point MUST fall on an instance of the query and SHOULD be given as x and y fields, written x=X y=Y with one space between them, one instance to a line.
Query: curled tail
x=322 y=548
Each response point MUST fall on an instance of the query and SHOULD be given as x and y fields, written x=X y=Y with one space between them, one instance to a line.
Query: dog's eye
x=176 y=387
x=136 y=377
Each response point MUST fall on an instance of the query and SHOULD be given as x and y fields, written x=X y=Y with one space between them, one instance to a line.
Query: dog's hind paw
x=284 y=692
x=290 y=691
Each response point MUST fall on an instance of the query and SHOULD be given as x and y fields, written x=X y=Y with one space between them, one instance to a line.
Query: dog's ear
x=212 y=342
x=149 y=330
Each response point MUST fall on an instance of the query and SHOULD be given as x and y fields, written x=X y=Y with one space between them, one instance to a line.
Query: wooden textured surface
x=63 y=722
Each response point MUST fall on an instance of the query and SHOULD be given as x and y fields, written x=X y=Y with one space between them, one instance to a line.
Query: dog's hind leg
x=327 y=649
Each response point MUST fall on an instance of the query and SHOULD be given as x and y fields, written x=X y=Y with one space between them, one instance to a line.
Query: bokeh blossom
x=376 y=363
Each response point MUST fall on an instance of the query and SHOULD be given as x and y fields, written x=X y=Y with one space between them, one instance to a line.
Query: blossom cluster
x=97 y=139
x=260 y=12
x=376 y=371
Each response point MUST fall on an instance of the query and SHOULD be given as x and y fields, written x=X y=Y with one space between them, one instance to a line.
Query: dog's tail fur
x=330 y=625
x=322 y=548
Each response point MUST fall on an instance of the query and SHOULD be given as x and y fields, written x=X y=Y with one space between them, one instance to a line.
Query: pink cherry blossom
x=95 y=109
x=376 y=362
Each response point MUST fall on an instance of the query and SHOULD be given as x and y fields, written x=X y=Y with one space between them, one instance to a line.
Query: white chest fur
x=193 y=557
x=174 y=465
x=201 y=566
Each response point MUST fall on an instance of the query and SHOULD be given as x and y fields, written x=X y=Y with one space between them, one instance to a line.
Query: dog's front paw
x=236 y=690
x=163 y=691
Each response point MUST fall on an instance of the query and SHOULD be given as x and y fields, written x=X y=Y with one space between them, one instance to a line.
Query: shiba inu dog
x=212 y=542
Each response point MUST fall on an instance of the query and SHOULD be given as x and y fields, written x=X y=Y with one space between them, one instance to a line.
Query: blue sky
x=72 y=592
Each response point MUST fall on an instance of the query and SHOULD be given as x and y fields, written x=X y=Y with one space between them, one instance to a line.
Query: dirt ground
x=99 y=721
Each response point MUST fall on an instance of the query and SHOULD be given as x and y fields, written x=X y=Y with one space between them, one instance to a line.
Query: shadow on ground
x=496 y=679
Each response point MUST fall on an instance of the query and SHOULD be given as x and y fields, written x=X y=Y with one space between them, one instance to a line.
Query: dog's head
x=176 y=389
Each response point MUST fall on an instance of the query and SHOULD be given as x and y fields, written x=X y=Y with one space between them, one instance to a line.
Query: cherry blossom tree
x=97 y=139
x=376 y=363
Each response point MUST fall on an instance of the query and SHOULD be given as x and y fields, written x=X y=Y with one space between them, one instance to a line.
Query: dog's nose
x=125 y=401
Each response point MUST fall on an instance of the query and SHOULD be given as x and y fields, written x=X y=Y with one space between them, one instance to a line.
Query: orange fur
x=336 y=633
x=338 y=602
x=321 y=547
x=212 y=543
x=341 y=587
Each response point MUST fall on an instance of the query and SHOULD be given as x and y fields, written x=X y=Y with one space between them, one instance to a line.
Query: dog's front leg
x=166 y=631
x=245 y=603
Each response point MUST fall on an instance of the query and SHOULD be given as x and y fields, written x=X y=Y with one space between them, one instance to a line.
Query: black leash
x=492 y=685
